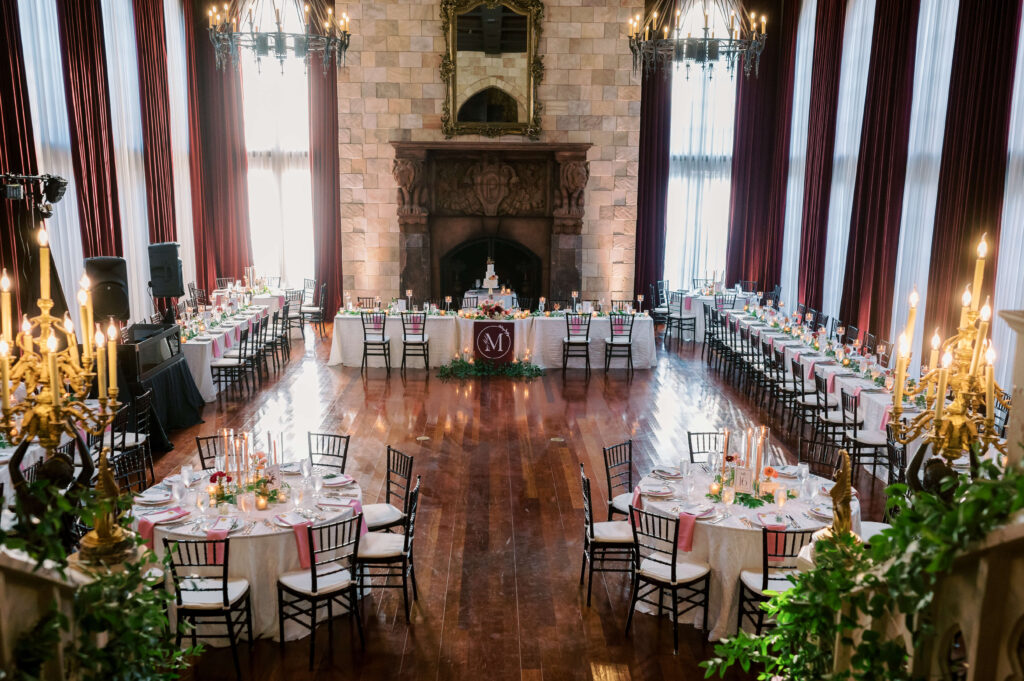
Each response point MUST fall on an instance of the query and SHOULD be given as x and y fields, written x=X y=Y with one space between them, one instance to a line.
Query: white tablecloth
x=260 y=557
x=201 y=350
x=347 y=341
x=542 y=336
x=507 y=300
x=731 y=547
x=547 y=334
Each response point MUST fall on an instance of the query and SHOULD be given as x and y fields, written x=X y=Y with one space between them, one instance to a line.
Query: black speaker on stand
x=109 y=277
x=165 y=279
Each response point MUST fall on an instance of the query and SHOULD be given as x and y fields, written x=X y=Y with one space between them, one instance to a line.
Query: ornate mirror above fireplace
x=491 y=69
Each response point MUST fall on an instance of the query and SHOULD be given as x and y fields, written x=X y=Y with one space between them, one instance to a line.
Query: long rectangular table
x=200 y=351
x=451 y=335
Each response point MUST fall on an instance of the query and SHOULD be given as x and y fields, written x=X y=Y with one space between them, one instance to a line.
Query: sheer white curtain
x=703 y=110
x=1010 y=273
x=853 y=83
x=276 y=101
x=177 y=91
x=129 y=163
x=936 y=33
x=797 y=152
x=45 y=81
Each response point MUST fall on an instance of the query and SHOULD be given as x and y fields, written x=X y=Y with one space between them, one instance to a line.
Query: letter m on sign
x=494 y=341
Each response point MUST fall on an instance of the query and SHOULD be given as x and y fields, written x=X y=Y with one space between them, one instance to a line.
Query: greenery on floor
x=896 y=577
x=462 y=369
x=118 y=629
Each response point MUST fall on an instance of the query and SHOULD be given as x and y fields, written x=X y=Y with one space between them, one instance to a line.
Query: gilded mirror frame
x=450 y=126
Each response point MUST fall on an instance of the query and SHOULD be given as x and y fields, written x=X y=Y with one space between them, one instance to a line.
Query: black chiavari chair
x=393 y=511
x=576 y=342
x=376 y=342
x=779 y=550
x=620 y=342
x=607 y=546
x=702 y=444
x=415 y=340
x=388 y=555
x=328 y=450
x=618 y=472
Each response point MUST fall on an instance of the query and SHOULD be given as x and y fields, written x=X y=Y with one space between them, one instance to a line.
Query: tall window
x=276 y=110
x=703 y=110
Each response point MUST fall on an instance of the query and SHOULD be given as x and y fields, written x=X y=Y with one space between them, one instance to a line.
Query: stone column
x=414 y=247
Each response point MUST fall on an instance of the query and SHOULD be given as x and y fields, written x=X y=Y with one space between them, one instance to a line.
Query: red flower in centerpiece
x=492 y=309
x=730 y=458
x=218 y=476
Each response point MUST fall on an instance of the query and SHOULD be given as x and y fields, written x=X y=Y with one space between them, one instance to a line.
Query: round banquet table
x=730 y=546
x=260 y=554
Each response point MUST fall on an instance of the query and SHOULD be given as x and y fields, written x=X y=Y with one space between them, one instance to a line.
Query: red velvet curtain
x=973 y=171
x=151 y=48
x=92 y=140
x=652 y=181
x=324 y=173
x=881 y=169
x=757 y=200
x=17 y=155
x=218 y=164
x=821 y=138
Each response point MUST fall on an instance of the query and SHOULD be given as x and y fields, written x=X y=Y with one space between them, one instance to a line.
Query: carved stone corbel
x=573 y=174
x=410 y=175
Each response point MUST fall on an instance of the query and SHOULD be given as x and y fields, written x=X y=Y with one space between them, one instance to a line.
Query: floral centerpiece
x=492 y=309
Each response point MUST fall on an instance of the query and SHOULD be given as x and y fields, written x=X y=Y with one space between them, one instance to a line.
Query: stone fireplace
x=520 y=203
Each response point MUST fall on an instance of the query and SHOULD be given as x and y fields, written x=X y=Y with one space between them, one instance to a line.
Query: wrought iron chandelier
x=282 y=30
x=657 y=41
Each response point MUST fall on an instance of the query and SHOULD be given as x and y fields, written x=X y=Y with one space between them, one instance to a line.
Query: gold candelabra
x=967 y=424
x=44 y=382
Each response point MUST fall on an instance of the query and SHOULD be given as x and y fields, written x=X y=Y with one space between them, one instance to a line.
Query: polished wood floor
x=499 y=532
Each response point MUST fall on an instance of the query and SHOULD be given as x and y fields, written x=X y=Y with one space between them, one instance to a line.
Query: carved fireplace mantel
x=489 y=186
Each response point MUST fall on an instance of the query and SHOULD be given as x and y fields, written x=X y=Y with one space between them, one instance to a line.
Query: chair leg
x=632 y=603
x=248 y=619
x=234 y=646
x=590 y=581
x=312 y=633
x=405 y=595
x=675 y=623
x=354 y=609
x=583 y=566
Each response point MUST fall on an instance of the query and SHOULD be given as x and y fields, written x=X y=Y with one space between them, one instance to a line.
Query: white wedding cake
x=490 y=278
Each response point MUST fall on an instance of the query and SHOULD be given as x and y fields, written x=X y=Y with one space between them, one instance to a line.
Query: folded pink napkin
x=617 y=327
x=280 y=301
x=810 y=372
x=885 y=416
x=574 y=329
x=216 y=348
x=776 y=536
x=856 y=391
x=687 y=521
x=637 y=502
x=218 y=531
x=687 y=303
x=302 y=542
x=832 y=382
x=147 y=522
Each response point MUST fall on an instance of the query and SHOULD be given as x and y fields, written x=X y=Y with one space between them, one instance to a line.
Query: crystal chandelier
x=266 y=29
x=658 y=40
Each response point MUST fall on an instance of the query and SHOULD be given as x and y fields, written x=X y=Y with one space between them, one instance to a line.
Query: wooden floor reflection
x=499 y=532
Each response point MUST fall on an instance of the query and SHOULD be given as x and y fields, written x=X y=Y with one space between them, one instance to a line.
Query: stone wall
x=391 y=90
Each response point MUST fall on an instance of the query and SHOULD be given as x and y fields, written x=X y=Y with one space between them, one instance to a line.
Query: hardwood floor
x=499 y=531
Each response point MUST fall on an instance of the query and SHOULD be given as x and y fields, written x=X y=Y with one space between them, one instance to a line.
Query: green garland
x=896 y=577
x=461 y=369
x=751 y=500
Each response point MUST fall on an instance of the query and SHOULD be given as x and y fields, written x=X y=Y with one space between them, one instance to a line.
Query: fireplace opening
x=490 y=105
x=516 y=266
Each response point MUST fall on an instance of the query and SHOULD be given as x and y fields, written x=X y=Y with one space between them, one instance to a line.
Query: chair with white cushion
x=779 y=549
x=660 y=578
x=293 y=317
x=316 y=314
x=137 y=437
x=230 y=368
x=393 y=511
x=618 y=471
x=329 y=581
x=205 y=594
x=864 y=444
x=607 y=546
x=376 y=342
x=576 y=342
x=389 y=555
x=415 y=341
x=620 y=342
x=679 y=319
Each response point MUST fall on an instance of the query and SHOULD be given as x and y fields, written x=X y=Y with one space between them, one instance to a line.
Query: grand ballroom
x=511 y=339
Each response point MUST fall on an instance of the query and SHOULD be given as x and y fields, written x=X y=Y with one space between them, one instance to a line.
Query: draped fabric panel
x=853 y=80
x=323 y=166
x=652 y=180
x=973 y=174
x=129 y=159
x=44 y=80
x=17 y=155
x=220 y=195
x=92 y=137
x=821 y=133
x=1010 y=273
x=178 y=95
x=151 y=52
x=792 y=203
x=764 y=106
x=881 y=169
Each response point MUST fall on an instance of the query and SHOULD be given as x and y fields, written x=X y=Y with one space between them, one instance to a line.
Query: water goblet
x=306 y=468
x=186 y=475
x=318 y=485
x=297 y=495
x=178 y=491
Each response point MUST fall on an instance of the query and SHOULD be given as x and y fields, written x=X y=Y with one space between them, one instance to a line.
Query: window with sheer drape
x=700 y=164
x=276 y=104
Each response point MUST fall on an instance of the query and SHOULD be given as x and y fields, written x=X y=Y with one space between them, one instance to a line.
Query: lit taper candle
x=44 y=262
x=979 y=273
x=5 y=306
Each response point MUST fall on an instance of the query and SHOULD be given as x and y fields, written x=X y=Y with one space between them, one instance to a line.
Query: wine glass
x=297 y=494
x=186 y=475
x=306 y=468
x=202 y=503
x=178 y=492
x=318 y=485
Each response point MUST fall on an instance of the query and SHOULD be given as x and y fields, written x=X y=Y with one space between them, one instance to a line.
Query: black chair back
x=779 y=550
x=367 y=302
x=704 y=443
x=373 y=326
x=328 y=450
x=414 y=325
x=208 y=447
x=333 y=548
x=399 y=478
x=652 y=535
x=198 y=565
x=410 y=516
x=618 y=468
x=621 y=327
x=577 y=327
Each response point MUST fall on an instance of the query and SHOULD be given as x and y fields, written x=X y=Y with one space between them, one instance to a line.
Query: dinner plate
x=338 y=480
x=220 y=523
x=171 y=518
x=765 y=519
x=292 y=468
x=289 y=519
x=153 y=497
x=656 y=490
x=823 y=512
x=197 y=477
x=700 y=510
x=667 y=473
x=790 y=472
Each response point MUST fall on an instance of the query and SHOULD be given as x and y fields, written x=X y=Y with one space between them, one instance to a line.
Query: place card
x=744 y=480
